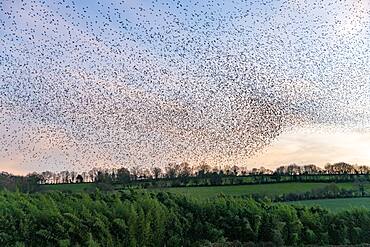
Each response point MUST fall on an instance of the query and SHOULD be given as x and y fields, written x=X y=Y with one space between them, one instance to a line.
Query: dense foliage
x=12 y=182
x=131 y=218
x=329 y=191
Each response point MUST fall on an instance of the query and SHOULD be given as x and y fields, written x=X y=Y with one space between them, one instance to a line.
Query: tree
x=216 y=179
x=185 y=171
x=203 y=170
x=79 y=179
x=73 y=176
x=123 y=175
x=361 y=182
x=293 y=169
x=235 y=170
x=48 y=177
x=171 y=170
x=156 y=172
x=363 y=169
x=311 y=169
x=135 y=172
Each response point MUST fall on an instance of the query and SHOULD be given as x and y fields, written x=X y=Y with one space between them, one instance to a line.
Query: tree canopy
x=135 y=218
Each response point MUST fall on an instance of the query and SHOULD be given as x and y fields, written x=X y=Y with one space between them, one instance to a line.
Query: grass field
x=212 y=191
x=336 y=205
x=238 y=190
x=68 y=187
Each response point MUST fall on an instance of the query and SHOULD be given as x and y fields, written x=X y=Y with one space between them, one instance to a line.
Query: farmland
x=128 y=216
x=202 y=192
x=209 y=192
x=240 y=190
x=335 y=205
x=68 y=187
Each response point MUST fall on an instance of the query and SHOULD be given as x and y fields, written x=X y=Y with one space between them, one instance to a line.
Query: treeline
x=183 y=174
x=27 y=183
x=183 y=171
x=131 y=218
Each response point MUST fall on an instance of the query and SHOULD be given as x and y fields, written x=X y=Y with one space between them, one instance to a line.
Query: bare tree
x=156 y=172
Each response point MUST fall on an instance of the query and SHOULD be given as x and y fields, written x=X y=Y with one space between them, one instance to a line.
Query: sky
x=139 y=83
x=316 y=146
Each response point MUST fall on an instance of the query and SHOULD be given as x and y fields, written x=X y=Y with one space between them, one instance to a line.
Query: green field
x=239 y=190
x=262 y=189
x=68 y=187
x=212 y=191
x=336 y=204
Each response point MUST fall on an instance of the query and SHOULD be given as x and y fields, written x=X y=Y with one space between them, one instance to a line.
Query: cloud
x=318 y=146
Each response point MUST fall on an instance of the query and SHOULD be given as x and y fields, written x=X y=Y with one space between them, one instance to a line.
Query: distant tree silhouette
x=79 y=179
x=157 y=172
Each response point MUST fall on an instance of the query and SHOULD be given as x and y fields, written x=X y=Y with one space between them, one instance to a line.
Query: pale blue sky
x=186 y=69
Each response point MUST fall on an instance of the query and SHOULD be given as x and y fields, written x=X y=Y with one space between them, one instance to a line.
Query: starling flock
x=105 y=83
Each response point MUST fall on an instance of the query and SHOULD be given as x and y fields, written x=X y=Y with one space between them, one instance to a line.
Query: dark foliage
x=129 y=218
